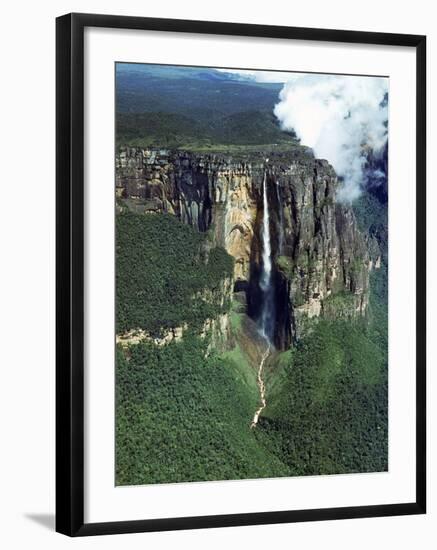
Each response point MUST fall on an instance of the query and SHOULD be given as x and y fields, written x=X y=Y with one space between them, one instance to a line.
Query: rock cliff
x=321 y=260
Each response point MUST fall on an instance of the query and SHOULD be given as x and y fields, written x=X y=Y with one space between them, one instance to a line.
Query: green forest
x=183 y=415
x=162 y=265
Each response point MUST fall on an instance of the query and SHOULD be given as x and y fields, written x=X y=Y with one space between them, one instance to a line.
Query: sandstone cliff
x=321 y=260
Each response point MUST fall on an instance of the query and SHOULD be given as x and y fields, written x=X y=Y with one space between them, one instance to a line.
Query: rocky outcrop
x=136 y=336
x=217 y=330
x=317 y=247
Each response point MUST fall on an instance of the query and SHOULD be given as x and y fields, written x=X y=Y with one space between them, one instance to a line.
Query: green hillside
x=162 y=268
x=184 y=417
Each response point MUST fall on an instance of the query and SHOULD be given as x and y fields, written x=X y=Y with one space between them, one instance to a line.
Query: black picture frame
x=70 y=273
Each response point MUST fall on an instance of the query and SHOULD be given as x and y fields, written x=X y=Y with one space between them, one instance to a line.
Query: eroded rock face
x=325 y=254
x=318 y=250
x=207 y=192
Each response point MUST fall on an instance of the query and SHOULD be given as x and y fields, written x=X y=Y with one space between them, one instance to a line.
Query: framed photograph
x=240 y=274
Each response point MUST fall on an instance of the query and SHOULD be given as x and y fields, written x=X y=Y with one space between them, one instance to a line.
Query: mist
x=342 y=118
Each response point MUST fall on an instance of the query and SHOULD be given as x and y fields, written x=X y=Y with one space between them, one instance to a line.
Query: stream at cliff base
x=261 y=386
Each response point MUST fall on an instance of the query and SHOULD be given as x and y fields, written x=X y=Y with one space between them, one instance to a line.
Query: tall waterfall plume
x=281 y=220
x=266 y=284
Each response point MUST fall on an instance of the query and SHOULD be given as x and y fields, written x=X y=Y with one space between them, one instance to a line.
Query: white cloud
x=339 y=117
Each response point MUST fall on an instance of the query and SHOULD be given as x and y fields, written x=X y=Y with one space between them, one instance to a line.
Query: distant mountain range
x=194 y=106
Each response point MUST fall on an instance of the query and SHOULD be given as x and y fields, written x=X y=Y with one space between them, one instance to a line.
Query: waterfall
x=266 y=320
x=267 y=247
x=268 y=306
x=281 y=220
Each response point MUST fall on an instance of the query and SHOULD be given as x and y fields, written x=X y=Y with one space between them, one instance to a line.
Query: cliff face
x=321 y=260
